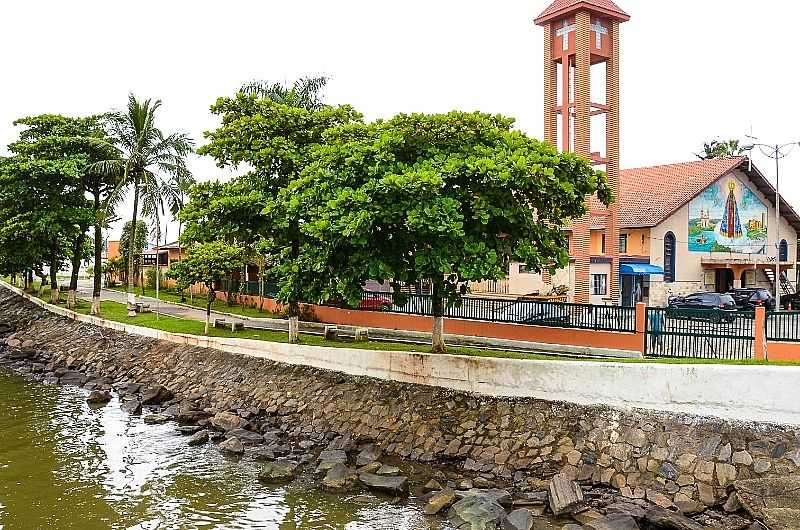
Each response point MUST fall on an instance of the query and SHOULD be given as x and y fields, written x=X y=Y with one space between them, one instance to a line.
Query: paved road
x=175 y=310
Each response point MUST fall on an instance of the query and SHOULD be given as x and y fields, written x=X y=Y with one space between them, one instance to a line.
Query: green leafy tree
x=145 y=155
x=445 y=198
x=274 y=129
x=720 y=149
x=44 y=212
x=207 y=264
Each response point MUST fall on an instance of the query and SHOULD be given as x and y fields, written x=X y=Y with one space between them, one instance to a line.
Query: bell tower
x=580 y=36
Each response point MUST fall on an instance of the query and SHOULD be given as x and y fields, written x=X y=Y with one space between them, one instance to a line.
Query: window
x=523 y=269
x=783 y=250
x=669 y=257
x=602 y=243
x=599 y=284
x=623 y=243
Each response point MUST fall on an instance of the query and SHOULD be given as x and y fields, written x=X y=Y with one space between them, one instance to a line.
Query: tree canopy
x=443 y=198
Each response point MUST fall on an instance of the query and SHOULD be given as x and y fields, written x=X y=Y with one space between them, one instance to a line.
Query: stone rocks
x=227 y=421
x=329 y=458
x=127 y=388
x=521 y=519
x=155 y=395
x=613 y=522
x=742 y=458
x=439 y=501
x=245 y=436
x=668 y=520
x=198 y=438
x=368 y=455
x=774 y=501
x=131 y=406
x=187 y=430
x=98 y=397
x=232 y=446
x=72 y=377
x=387 y=484
x=156 y=419
x=476 y=512
x=388 y=470
x=277 y=472
x=565 y=495
x=339 y=478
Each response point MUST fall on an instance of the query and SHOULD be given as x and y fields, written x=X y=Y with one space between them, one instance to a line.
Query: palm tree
x=179 y=188
x=145 y=152
x=720 y=149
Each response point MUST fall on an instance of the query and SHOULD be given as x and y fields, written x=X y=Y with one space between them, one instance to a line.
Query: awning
x=639 y=269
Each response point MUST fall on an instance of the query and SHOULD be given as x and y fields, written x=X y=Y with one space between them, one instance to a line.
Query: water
x=63 y=465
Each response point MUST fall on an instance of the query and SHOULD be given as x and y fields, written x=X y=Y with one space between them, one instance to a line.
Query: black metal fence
x=783 y=326
x=700 y=333
x=235 y=286
x=539 y=313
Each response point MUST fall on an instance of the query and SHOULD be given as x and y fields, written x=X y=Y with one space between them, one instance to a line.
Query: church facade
x=707 y=225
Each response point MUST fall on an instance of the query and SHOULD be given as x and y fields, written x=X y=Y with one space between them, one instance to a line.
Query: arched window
x=783 y=250
x=669 y=257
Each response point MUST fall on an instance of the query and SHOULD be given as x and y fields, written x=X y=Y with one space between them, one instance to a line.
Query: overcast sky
x=691 y=70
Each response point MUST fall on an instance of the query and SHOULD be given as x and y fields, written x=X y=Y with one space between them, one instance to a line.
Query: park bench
x=234 y=326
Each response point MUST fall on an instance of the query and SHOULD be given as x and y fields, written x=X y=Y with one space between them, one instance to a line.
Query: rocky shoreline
x=334 y=432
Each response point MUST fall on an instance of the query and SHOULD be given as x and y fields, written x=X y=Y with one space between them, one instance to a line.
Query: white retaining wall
x=745 y=393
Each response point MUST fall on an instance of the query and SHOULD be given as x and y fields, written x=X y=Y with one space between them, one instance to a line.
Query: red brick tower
x=579 y=34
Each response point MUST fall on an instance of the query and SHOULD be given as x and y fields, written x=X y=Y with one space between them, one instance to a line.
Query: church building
x=704 y=225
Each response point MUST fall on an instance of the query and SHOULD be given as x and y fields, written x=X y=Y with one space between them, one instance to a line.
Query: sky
x=692 y=71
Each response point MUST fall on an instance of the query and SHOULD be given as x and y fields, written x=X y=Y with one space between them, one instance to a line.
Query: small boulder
x=520 y=519
x=98 y=397
x=187 y=430
x=277 y=472
x=565 y=495
x=264 y=454
x=191 y=416
x=127 y=388
x=394 y=485
x=131 y=406
x=669 y=520
x=247 y=437
x=72 y=377
x=613 y=522
x=155 y=395
x=231 y=445
x=339 y=478
x=156 y=419
x=439 y=501
x=368 y=455
x=227 y=421
x=388 y=470
x=198 y=438
x=371 y=468
x=476 y=512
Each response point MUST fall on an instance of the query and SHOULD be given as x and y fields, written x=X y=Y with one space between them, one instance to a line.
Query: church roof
x=562 y=7
x=649 y=195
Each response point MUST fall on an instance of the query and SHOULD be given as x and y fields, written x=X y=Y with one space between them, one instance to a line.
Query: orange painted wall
x=113 y=249
x=638 y=241
x=596 y=243
x=470 y=328
x=783 y=351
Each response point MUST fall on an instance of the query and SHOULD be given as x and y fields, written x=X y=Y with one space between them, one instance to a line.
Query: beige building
x=707 y=225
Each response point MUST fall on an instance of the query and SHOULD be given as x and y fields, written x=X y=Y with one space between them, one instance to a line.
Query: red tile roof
x=648 y=195
x=561 y=7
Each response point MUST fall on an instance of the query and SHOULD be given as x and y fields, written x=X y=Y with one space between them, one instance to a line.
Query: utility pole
x=776 y=152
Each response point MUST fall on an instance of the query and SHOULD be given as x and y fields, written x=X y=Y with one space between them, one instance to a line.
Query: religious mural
x=728 y=217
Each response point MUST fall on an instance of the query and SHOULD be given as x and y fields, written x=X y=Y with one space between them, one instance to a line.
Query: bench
x=234 y=326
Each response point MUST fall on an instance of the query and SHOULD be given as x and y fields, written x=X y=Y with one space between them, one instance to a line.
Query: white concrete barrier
x=734 y=392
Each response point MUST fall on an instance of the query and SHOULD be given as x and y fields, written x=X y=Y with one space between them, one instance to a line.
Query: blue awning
x=639 y=269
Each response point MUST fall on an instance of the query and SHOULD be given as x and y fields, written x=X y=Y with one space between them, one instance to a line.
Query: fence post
x=760 y=334
x=641 y=325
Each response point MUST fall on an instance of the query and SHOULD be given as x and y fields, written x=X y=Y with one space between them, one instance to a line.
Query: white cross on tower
x=599 y=31
x=564 y=32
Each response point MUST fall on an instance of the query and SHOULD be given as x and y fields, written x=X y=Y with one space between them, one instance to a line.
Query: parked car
x=750 y=298
x=715 y=307
x=375 y=302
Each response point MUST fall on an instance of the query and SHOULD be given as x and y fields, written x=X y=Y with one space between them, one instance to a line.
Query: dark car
x=750 y=298
x=715 y=307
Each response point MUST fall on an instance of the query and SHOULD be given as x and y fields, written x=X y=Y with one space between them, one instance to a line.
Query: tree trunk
x=294 y=305
x=53 y=274
x=294 y=329
x=180 y=257
x=437 y=339
x=97 y=280
x=72 y=297
x=131 y=244
x=209 y=300
x=158 y=264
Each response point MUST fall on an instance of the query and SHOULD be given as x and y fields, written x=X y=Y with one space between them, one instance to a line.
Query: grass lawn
x=169 y=295
x=119 y=313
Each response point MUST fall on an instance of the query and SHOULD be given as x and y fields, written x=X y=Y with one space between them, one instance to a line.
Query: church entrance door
x=724 y=280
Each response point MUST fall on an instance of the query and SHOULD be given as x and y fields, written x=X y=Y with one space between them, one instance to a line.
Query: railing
x=700 y=333
x=552 y=314
x=783 y=326
x=250 y=288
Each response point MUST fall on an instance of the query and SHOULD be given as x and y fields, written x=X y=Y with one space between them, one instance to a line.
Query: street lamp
x=776 y=152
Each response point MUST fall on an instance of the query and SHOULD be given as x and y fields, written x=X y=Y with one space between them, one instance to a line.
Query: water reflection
x=64 y=465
